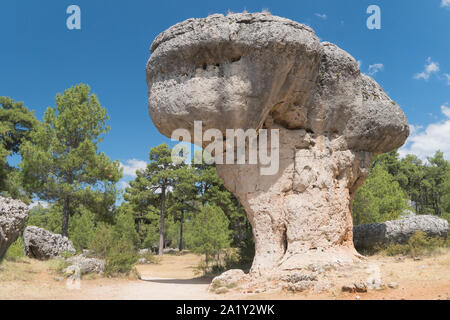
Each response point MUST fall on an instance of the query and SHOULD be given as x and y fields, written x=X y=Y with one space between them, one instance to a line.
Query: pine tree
x=16 y=124
x=61 y=162
x=209 y=232
x=380 y=198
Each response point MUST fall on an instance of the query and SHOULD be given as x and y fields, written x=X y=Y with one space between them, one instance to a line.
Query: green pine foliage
x=379 y=199
x=16 y=125
x=392 y=182
x=61 y=163
x=208 y=232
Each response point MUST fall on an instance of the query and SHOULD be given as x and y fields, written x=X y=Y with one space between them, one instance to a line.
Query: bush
x=82 y=230
x=125 y=230
x=120 y=258
x=208 y=233
x=15 y=250
x=102 y=240
x=116 y=244
x=419 y=244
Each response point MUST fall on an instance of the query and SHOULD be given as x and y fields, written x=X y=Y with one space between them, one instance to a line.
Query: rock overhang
x=239 y=70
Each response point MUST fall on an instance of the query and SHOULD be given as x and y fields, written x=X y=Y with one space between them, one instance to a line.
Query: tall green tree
x=142 y=203
x=160 y=176
x=436 y=173
x=61 y=163
x=183 y=198
x=16 y=124
x=211 y=190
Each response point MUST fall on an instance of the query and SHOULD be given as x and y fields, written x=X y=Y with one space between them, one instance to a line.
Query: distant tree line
x=397 y=184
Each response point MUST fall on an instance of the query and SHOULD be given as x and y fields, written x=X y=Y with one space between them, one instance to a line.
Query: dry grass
x=428 y=278
x=171 y=266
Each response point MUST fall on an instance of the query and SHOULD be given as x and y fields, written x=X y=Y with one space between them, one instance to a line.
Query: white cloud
x=374 y=68
x=445 y=3
x=425 y=142
x=359 y=62
x=430 y=68
x=44 y=204
x=447 y=77
x=445 y=110
x=322 y=16
x=131 y=165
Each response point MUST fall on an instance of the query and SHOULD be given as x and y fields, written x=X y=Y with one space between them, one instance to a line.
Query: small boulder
x=143 y=261
x=229 y=278
x=143 y=252
x=13 y=215
x=42 y=244
x=355 y=287
x=393 y=285
x=87 y=265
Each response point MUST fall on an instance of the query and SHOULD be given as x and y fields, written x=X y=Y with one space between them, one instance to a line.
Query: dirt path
x=174 y=278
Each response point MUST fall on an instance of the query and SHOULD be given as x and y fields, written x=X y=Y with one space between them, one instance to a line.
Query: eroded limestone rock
x=253 y=71
x=367 y=236
x=42 y=244
x=13 y=215
x=86 y=264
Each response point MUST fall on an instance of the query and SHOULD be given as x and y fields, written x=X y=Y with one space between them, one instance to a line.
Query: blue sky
x=409 y=57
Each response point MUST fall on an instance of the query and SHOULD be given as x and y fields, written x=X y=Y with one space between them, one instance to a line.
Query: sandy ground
x=174 y=278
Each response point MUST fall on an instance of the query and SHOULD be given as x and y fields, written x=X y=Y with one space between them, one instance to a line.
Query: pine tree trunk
x=161 y=221
x=239 y=231
x=65 y=219
x=180 y=245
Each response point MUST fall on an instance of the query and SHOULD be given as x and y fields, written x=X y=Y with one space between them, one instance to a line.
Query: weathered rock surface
x=229 y=277
x=87 y=265
x=13 y=215
x=253 y=71
x=367 y=236
x=42 y=244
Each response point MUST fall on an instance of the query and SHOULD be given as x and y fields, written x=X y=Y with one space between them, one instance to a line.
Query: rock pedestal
x=300 y=216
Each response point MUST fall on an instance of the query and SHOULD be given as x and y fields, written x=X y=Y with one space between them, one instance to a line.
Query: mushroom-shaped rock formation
x=256 y=71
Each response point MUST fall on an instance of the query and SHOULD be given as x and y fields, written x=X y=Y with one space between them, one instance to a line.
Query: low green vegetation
x=418 y=245
x=15 y=251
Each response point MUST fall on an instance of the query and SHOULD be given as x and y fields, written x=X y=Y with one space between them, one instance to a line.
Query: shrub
x=102 y=240
x=15 y=250
x=116 y=244
x=419 y=244
x=208 y=233
x=120 y=258
x=125 y=230
x=82 y=230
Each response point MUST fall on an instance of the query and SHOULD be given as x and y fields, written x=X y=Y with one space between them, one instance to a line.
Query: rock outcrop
x=258 y=71
x=367 y=236
x=13 y=216
x=86 y=264
x=42 y=244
